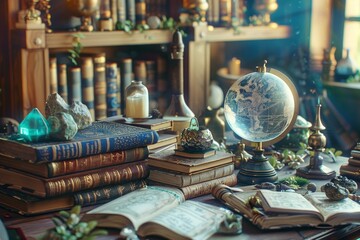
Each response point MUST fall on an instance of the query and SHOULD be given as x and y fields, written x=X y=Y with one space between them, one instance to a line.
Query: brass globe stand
x=317 y=142
x=257 y=169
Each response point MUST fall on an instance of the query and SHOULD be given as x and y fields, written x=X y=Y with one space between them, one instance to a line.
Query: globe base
x=256 y=170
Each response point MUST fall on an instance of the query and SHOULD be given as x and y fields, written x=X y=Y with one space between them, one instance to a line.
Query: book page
x=192 y=219
x=331 y=209
x=143 y=204
x=286 y=202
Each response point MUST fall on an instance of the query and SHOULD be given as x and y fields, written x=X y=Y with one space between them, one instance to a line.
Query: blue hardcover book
x=74 y=84
x=87 y=83
x=111 y=89
x=100 y=137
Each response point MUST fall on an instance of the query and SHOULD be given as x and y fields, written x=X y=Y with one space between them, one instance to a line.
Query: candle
x=137 y=106
x=234 y=66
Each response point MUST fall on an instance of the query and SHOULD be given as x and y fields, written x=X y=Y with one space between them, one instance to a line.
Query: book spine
x=100 y=86
x=130 y=10
x=216 y=11
x=354 y=162
x=350 y=171
x=87 y=84
x=140 y=12
x=62 y=85
x=74 y=85
x=162 y=84
x=151 y=82
x=118 y=91
x=53 y=75
x=357 y=146
x=204 y=188
x=126 y=77
x=355 y=154
x=188 y=180
x=118 y=174
x=114 y=15
x=121 y=11
x=225 y=13
x=96 y=161
x=106 y=194
x=111 y=89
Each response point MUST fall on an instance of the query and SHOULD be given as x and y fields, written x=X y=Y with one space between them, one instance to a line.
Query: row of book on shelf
x=115 y=14
x=101 y=84
x=95 y=168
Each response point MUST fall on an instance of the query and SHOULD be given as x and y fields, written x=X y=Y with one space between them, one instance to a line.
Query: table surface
x=36 y=225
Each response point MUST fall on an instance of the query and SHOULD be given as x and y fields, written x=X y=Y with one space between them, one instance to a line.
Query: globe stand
x=257 y=169
x=317 y=142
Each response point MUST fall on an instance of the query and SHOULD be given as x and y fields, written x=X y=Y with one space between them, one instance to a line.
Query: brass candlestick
x=317 y=142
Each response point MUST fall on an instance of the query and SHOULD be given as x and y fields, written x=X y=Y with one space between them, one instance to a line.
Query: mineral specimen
x=334 y=191
x=34 y=127
x=81 y=114
x=62 y=126
x=343 y=181
x=79 y=111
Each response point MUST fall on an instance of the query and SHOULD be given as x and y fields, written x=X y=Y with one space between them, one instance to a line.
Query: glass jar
x=137 y=100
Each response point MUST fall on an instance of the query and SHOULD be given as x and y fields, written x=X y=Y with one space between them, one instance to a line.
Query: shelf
x=245 y=33
x=113 y=38
x=350 y=86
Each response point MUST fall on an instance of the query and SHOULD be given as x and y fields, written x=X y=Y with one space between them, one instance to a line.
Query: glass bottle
x=137 y=100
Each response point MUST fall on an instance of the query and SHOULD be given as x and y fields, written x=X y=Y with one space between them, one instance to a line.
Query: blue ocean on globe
x=259 y=107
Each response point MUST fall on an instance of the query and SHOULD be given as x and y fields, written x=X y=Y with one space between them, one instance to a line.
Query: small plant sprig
x=76 y=50
x=170 y=24
x=69 y=227
x=142 y=27
x=126 y=26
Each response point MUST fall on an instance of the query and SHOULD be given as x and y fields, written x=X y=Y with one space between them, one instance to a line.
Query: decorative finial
x=318 y=125
x=263 y=68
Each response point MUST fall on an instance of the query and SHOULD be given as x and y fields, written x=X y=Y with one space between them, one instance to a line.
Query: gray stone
x=62 y=126
x=54 y=104
x=81 y=114
x=79 y=111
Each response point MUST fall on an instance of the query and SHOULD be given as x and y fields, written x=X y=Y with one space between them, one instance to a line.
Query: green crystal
x=34 y=127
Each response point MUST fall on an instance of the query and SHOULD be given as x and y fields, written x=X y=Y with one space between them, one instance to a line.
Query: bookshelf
x=31 y=50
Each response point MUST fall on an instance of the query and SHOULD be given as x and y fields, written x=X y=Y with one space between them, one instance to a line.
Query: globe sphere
x=260 y=106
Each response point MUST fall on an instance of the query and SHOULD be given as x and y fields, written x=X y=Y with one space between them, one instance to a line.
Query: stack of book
x=352 y=168
x=103 y=161
x=167 y=138
x=195 y=174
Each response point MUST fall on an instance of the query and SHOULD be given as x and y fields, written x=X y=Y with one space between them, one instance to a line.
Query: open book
x=159 y=211
x=289 y=209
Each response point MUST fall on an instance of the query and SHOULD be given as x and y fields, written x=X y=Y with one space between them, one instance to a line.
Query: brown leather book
x=59 y=168
x=50 y=187
x=26 y=204
x=168 y=160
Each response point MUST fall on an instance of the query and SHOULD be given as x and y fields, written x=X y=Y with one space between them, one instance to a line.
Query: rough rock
x=81 y=114
x=79 y=111
x=62 y=126
x=54 y=104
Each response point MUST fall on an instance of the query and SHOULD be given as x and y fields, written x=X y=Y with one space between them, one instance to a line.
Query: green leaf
x=57 y=221
x=92 y=225
x=76 y=209
x=99 y=232
x=64 y=214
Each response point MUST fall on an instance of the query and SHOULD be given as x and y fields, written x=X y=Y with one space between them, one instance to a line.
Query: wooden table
x=37 y=225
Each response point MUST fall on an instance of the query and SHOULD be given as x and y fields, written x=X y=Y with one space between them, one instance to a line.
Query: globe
x=261 y=106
